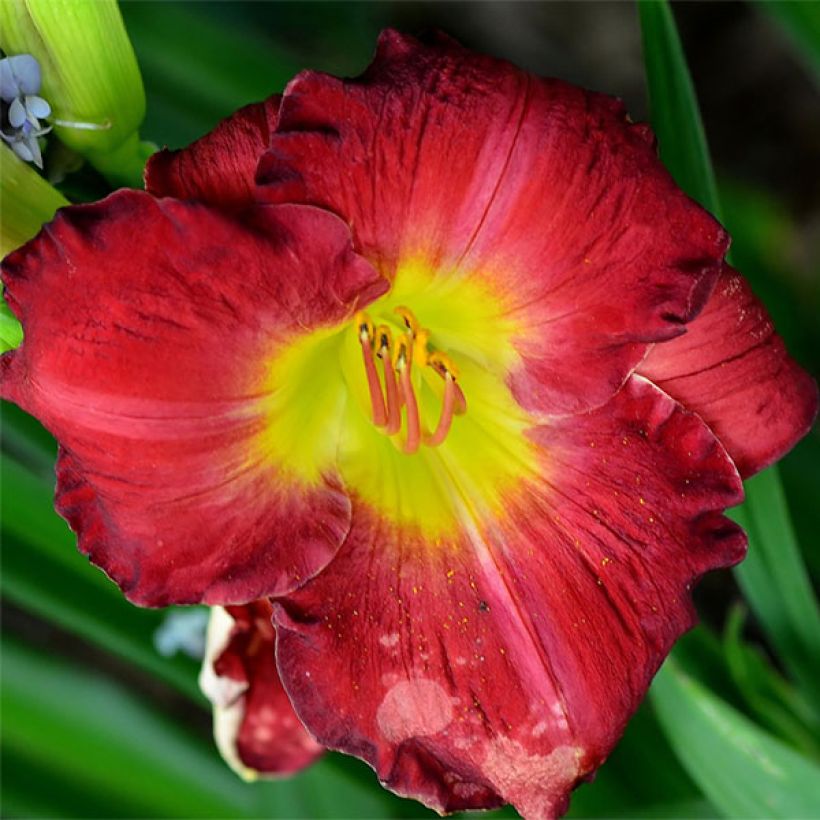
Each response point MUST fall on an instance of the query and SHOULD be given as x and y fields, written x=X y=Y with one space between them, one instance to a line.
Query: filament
x=447 y=410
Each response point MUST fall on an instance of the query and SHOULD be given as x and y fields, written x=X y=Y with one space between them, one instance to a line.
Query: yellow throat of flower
x=408 y=402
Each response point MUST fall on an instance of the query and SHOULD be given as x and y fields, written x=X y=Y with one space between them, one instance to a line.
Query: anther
x=444 y=365
x=409 y=319
x=421 y=356
x=376 y=398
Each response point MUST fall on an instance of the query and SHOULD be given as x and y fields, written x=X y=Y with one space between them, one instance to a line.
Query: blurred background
x=98 y=723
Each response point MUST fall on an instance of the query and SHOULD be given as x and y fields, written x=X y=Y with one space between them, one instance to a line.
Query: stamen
x=411 y=347
x=443 y=364
x=461 y=400
x=385 y=343
x=373 y=384
x=409 y=319
x=404 y=363
x=421 y=356
x=446 y=417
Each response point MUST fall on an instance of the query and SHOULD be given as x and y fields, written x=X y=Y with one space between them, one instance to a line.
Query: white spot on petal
x=535 y=784
x=413 y=708
x=540 y=728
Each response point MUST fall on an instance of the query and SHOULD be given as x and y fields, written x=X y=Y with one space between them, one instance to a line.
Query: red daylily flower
x=442 y=361
x=254 y=723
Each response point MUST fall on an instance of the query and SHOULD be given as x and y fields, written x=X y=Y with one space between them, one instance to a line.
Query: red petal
x=149 y=326
x=545 y=191
x=504 y=666
x=219 y=168
x=732 y=369
x=255 y=725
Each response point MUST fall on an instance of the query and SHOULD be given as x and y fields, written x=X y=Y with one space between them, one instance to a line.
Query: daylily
x=255 y=726
x=454 y=373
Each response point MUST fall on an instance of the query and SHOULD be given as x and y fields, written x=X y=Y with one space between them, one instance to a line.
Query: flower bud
x=90 y=77
x=27 y=201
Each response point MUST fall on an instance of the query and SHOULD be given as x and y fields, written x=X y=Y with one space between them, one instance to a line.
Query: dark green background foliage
x=96 y=723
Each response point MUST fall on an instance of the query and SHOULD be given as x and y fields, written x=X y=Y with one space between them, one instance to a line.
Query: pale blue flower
x=22 y=109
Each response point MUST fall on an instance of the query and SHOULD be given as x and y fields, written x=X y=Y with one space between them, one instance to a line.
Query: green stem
x=124 y=166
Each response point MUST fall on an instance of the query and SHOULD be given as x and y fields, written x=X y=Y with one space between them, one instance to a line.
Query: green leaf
x=27 y=441
x=765 y=237
x=99 y=736
x=774 y=580
x=801 y=22
x=673 y=105
x=120 y=756
x=743 y=770
x=43 y=572
x=621 y=787
x=775 y=703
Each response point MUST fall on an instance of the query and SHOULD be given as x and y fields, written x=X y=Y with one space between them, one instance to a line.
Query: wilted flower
x=22 y=109
x=254 y=724
x=447 y=398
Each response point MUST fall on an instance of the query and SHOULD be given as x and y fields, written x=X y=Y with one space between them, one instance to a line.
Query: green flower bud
x=27 y=201
x=90 y=77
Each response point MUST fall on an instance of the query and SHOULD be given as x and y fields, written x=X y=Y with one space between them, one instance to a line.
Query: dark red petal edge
x=218 y=168
x=733 y=370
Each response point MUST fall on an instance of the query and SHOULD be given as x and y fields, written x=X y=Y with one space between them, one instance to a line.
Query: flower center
x=382 y=401
x=396 y=392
